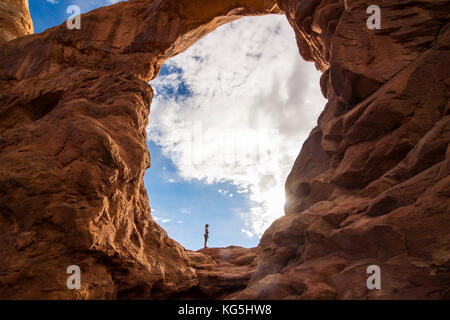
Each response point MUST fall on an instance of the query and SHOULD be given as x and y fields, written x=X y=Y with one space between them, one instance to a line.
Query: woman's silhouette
x=206 y=234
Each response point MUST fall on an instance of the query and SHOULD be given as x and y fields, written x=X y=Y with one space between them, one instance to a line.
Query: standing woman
x=206 y=234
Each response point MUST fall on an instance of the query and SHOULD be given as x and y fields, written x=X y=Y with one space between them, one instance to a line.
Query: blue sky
x=189 y=205
x=228 y=119
x=49 y=13
x=184 y=207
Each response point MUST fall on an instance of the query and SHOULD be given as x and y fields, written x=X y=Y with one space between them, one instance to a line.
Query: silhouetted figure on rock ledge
x=206 y=234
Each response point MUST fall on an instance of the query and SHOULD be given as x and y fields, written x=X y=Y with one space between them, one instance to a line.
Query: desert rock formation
x=371 y=184
x=222 y=272
x=15 y=20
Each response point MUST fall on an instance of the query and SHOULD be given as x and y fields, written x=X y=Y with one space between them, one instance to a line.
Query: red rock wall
x=370 y=186
x=74 y=106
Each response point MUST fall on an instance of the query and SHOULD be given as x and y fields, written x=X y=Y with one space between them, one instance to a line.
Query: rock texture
x=222 y=272
x=371 y=184
x=74 y=106
x=15 y=20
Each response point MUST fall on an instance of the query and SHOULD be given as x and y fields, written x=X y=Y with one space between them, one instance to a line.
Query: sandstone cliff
x=15 y=20
x=370 y=186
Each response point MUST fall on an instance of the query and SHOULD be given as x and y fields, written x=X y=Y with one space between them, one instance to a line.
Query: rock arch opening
x=230 y=112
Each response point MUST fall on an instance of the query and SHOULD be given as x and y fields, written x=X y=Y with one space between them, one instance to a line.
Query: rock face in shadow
x=370 y=186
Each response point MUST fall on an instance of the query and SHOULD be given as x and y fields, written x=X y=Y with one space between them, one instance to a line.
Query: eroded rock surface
x=15 y=20
x=370 y=186
x=222 y=272
x=74 y=107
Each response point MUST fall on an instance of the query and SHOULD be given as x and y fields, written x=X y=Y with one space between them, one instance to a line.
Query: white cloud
x=185 y=211
x=252 y=103
x=247 y=233
x=224 y=192
x=52 y=1
x=161 y=220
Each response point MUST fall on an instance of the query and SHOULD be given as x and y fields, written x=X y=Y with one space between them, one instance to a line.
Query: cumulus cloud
x=247 y=233
x=236 y=107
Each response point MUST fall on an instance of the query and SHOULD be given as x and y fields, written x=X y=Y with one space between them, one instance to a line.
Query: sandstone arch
x=74 y=107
